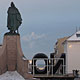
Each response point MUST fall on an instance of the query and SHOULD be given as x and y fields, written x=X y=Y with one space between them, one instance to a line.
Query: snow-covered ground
x=11 y=75
x=14 y=75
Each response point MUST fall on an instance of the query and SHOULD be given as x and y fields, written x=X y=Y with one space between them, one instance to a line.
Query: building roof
x=74 y=37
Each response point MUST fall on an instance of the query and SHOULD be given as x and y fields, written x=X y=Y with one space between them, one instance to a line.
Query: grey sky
x=44 y=21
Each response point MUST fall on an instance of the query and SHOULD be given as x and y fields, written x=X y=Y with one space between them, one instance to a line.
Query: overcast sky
x=44 y=21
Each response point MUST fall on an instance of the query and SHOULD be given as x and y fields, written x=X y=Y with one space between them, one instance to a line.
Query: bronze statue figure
x=14 y=19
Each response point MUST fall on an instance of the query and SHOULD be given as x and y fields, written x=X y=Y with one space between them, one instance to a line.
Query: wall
x=59 y=46
x=73 y=52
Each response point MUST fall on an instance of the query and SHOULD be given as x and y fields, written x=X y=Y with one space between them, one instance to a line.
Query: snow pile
x=11 y=75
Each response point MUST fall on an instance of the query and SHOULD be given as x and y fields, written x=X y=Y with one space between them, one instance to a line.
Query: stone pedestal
x=11 y=47
x=12 y=57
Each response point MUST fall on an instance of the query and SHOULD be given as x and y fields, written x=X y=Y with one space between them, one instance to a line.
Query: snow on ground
x=11 y=75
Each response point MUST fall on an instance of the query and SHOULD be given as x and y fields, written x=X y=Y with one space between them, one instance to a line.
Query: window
x=78 y=35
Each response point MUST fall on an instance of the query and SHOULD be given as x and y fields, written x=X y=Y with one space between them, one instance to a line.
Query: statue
x=14 y=19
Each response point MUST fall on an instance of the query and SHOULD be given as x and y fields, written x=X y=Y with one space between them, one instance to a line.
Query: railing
x=50 y=65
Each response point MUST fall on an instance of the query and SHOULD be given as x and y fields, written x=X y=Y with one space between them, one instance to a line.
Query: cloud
x=31 y=44
x=32 y=36
x=31 y=39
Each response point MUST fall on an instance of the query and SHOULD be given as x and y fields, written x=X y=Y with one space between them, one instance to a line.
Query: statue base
x=12 y=57
x=9 y=33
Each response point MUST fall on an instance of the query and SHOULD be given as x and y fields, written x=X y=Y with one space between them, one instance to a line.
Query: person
x=14 y=19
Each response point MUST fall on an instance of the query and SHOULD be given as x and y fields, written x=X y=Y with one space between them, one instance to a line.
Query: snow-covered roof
x=11 y=75
x=74 y=37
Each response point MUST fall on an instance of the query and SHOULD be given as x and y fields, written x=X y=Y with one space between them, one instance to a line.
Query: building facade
x=72 y=50
x=59 y=48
